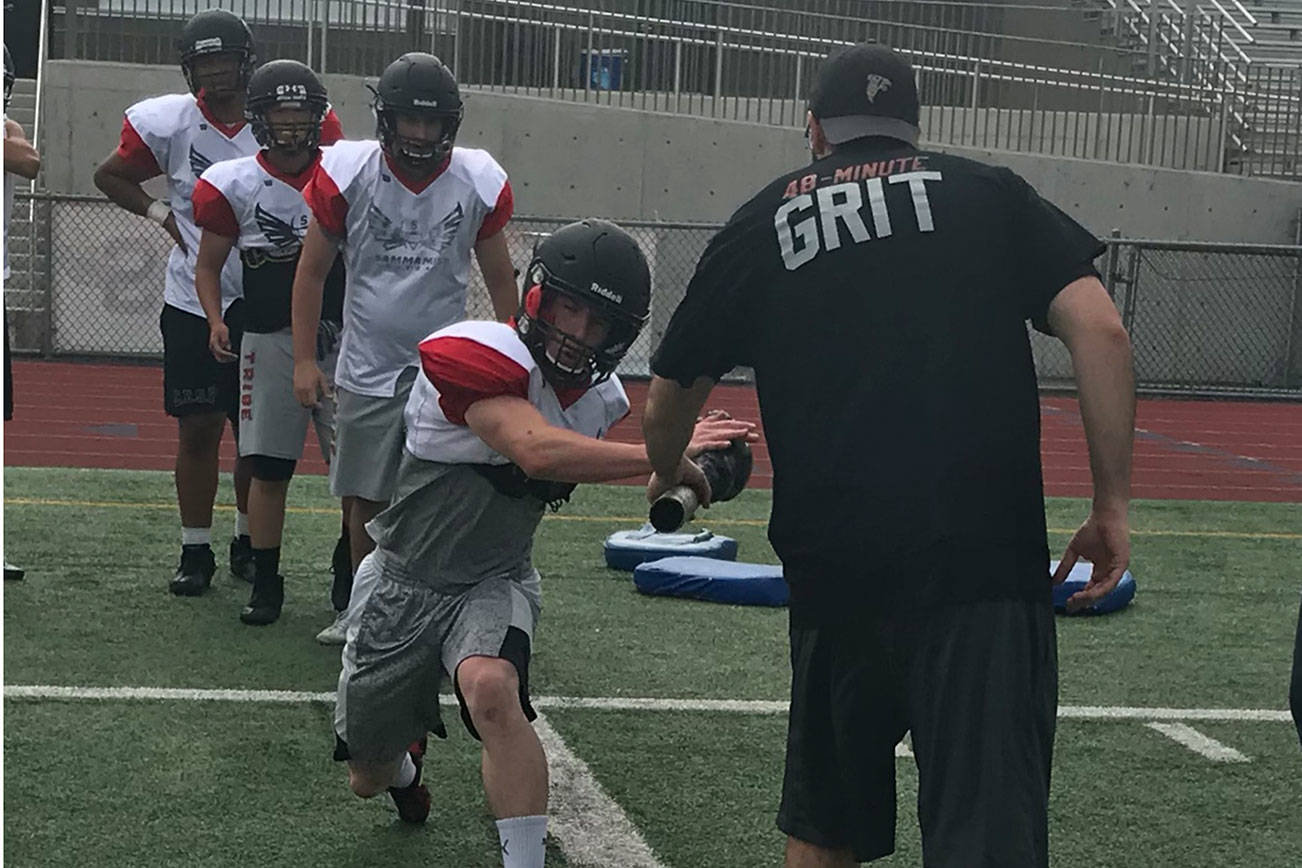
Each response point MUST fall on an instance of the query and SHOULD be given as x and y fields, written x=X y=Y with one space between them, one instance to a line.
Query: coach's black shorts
x=977 y=687
x=194 y=381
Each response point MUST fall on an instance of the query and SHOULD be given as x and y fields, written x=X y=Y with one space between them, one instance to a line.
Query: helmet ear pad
x=533 y=300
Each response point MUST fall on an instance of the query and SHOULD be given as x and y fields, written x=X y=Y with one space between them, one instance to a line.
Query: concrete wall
x=570 y=159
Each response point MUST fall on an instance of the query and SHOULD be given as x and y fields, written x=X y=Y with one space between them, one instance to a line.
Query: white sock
x=196 y=536
x=522 y=841
x=407 y=773
x=241 y=523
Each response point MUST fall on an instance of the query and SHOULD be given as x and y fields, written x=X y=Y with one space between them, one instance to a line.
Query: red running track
x=110 y=415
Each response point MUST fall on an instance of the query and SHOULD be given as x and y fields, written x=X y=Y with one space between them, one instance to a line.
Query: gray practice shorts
x=369 y=435
x=404 y=636
x=272 y=421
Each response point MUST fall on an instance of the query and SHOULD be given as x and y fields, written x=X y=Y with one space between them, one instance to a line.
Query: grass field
x=129 y=782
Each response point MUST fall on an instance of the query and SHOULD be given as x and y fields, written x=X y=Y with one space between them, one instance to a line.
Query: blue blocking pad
x=628 y=548
x=1120 y=597
x=716 y=581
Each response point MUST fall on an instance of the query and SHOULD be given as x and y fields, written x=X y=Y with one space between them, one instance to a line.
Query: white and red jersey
x=176 y=136
x=263 y=210
x=406 y=251
x=474 y=360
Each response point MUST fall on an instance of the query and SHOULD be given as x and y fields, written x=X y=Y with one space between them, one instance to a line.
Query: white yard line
x=591 y=828
x=1191 y=738
x=609 y=703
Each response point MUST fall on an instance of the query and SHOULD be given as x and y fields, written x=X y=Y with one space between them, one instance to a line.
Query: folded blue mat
x=628 y=548
x=1119 y=598
x=716 y=581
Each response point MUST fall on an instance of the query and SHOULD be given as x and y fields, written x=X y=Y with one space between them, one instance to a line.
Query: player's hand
x=716 y=430
x=219 y=342
x=688 y=474
x=1104 y=541
x=170 y=225
x=310 y=384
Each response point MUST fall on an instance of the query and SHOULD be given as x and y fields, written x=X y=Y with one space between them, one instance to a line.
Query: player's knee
x=365 y=783
x=199 y=434
x=491 y=691
x=271 y=469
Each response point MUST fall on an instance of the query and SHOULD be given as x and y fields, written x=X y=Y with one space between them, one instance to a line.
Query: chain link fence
x=1203 y=318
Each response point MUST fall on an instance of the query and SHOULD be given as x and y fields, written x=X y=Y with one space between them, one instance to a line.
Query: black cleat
x=265 y=602
x=341 y=568
x=412 y=801
x=195 y=572
x=242 y=558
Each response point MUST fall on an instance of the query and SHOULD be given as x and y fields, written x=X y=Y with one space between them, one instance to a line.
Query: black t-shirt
x=881 y=296
x=268 y=288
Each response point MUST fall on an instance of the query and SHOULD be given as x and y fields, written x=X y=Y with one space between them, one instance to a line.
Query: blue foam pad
x=1119 y=598
x=717 y=581
x=628 y=548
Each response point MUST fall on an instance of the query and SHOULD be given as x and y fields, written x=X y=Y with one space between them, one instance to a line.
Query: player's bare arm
x=499 y=275
x=21 y=157
x=314 y=263
x=1085 y=319
x=515 y=428
x=667 y=426
x=213 y=250
x=121 y=180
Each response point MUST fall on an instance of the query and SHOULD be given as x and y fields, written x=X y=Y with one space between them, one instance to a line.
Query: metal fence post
x=45 y=226
x=1114 y=250
x=325 y=21
x=1293 y=370
x=1132 y=289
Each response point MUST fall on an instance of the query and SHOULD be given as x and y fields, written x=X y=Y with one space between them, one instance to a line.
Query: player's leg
x=273 y=425
x=389 y=681
x=341 y=559
x=190 y=375
x=369 y=436
x=1295 y=687
x=487 y=648
x=847 y=715
x=230 y=392
x=983 y=695
x=12 y=573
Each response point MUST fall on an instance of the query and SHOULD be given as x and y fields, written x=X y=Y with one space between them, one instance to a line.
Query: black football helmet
x=287 y=84
x=216 y=31
x=417 y=84
x=601 y=266
x=9 y=77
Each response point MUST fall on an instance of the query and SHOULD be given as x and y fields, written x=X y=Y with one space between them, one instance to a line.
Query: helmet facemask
x=420 y=156
x=289 y=126
x=224 y=83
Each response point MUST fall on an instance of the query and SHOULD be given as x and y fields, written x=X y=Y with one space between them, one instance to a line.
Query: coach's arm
x=21 y=157
x=1084 y=318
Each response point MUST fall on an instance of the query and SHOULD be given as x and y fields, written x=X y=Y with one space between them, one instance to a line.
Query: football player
x=256 y=204
x=503 y=421
x=407 y=210
x=178 y=136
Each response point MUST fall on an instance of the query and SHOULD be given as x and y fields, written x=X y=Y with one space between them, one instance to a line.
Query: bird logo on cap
x=876 y=84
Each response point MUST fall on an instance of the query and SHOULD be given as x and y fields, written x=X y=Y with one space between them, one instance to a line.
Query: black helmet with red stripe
x=596 y=264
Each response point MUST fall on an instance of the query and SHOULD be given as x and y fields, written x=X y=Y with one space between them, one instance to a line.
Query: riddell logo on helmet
x=428 y=103
x=607 y=293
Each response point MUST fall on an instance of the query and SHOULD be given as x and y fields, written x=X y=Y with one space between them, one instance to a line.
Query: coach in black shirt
x=881 y=294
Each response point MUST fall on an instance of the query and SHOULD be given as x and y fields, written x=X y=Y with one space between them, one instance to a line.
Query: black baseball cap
x=866 y=90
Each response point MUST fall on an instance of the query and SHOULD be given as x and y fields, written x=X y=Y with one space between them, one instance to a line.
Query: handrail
x=1247 y=37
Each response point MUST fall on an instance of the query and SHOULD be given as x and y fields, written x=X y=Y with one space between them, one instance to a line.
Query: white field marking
x=590 y=826
x=740 y=706
x=1191 y=738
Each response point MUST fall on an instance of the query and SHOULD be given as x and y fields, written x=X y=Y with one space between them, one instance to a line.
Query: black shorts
x=1295 y=686
x=9 y=374
x=194 y=381
x=977 y=687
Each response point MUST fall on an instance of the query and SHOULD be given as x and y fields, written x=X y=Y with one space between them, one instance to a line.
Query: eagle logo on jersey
x=280 y=233
x=408 y=233
x=876 y=84
x=198 y=162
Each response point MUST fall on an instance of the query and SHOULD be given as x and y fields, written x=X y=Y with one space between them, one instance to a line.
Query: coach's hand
x=310 y=385
x=1104 y=541
x=716 y=430
x=219 y=342
x=170 y=225
x=688 y=474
